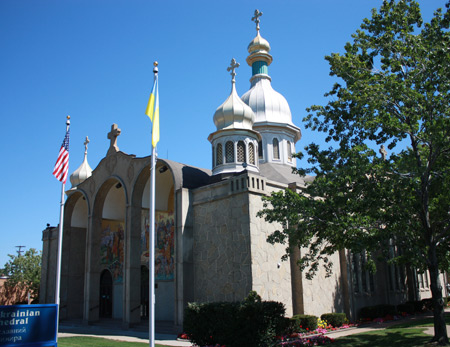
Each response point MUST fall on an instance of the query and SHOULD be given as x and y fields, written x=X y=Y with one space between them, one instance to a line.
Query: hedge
x=377 y=311
x=335 y=319
x=408 y=308
x=251 y=323
x=303 y=321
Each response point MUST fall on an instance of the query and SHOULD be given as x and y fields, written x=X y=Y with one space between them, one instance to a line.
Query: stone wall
x=271 y=277
x=324 y=294
x=222 y=265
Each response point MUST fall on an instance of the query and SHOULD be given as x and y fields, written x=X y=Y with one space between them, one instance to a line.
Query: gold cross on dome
x=255 y=18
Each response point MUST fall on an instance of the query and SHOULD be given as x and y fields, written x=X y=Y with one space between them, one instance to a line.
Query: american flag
x=62 y=163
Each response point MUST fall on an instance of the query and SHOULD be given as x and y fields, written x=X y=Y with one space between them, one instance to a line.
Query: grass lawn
x=405 y=337
x=84 y=341
x=405 y=334
x=427 y=322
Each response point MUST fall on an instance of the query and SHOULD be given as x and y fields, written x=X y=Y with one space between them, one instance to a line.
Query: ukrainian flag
x=153 y=112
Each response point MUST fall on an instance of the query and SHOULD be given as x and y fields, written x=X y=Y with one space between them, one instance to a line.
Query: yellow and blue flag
x=153 y=112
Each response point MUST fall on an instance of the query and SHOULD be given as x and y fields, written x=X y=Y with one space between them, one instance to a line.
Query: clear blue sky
x=92 y=60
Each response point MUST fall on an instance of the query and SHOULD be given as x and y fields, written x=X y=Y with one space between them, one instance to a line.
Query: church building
x=210 y=244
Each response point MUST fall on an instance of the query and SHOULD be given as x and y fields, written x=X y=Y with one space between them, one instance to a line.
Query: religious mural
x=111 y=248
x=164 y=244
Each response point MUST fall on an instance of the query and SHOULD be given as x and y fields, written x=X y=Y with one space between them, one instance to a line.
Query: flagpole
x=60 y=236
x=151 y=258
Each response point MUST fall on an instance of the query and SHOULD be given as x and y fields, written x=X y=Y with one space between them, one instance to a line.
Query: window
x=363 y=279
x=260 y=150
x=355 y=272
x=229 y=152
x=219 y=156
x=276 y=149
x=241 y=152
x=289 y=150
x=251 y=153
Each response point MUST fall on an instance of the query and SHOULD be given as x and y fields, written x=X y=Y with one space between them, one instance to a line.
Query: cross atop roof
x=233 y=66
x=255 y=18
x=112 y=135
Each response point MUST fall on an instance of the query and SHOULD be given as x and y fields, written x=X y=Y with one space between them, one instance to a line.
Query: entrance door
x=106 y=286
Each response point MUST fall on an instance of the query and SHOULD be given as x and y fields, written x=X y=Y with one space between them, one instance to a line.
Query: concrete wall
x=221 y=249
x=271 y=277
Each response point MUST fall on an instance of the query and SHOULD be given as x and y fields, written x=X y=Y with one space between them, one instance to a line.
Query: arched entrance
x=106 y=294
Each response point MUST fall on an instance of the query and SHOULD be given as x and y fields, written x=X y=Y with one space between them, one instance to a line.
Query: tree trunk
x=440 y=330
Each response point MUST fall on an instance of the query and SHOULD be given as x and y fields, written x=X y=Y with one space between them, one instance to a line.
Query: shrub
x=427 y=304
x=418 y=305
x=335 y=319
x=406 y=307
x=377 y=311
x=208 y=323
x=304 y=321
x=251 y=322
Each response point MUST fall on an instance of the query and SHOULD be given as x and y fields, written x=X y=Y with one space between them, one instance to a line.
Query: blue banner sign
x=28 y=325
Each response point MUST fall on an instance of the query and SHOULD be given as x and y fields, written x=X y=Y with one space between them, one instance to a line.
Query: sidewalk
x=114 y=332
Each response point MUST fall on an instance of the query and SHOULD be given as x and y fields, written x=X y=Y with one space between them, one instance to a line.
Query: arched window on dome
x=260 y=150
x=276 y=149
x=241 y=152
x=229 y=152
x=289 y=150
x=251 y=153
x=219 y=154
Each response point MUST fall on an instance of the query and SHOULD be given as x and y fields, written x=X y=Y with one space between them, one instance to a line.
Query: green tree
x=393 y=89
x=24 y=272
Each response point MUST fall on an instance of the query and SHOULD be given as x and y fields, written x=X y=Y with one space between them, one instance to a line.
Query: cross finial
x=112 y=135
x=255 y=18
x=233 y=66
x=86 y=142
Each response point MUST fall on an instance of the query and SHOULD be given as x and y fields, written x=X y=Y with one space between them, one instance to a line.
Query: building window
x=420 y=277
x=260 y=150
x=251 y=153
x=241 y=151
x=289 y=150
x=396 y=272
x=229 y=152
x=276 y=149
x=363 y=279
x=355 y=272
x=219 y=155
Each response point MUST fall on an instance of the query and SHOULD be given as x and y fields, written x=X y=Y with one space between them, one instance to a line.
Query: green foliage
x=393 y=88
x=427 y=304
x=335 y=319
x=418 y=305
x=252 y=322
x=377 y=311
x=305 y=322
x=24 y=271
x=408 y=308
